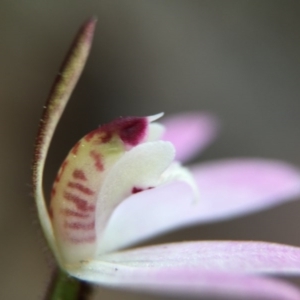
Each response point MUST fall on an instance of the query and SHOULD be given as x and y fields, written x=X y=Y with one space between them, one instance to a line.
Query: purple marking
x=136 y=190
x=131 y=130
x=80 y=203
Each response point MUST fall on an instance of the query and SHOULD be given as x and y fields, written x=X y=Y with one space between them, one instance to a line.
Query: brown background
x=239 y=59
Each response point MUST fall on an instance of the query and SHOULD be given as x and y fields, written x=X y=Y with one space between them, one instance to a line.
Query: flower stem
x=65 y=287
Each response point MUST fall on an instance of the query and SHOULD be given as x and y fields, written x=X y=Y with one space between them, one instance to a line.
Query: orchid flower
x=123 y=183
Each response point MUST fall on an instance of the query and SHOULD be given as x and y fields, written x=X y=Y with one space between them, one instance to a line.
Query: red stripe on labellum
x=80 y=226
x=106 y=137
x=81 y=188
x=61 y=171
x=80 y=203
x=97 y=161
x=75 y=148
x=90 y=135
x=86 y=239
x=79 y=174
x=71 y=213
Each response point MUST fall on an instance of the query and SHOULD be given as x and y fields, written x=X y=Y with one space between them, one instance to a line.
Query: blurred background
x=238 y=59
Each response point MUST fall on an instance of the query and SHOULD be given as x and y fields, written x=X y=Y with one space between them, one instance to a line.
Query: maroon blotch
x=79 y=174
x=131 y=130
x=136 y=190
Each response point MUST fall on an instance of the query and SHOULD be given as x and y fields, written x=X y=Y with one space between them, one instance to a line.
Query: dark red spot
x=131 y=130
x=75 y=148
x=80 y=187
x=80 y=203
x=79 y=174
x=136 y=190
x=61 y=171
x=80 y=226
x=97 y=160
x=72 y=213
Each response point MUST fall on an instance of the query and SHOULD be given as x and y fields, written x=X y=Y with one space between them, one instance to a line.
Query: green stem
x=65 y=287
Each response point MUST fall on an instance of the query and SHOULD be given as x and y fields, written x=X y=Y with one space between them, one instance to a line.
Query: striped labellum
x=105 y=167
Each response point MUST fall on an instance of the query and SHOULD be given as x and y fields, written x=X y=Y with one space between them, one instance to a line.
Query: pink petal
x=238 y=186
x=199 y=268
x=227 y=188
x=215 y=256
x=182 y=282
x=190 y=133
